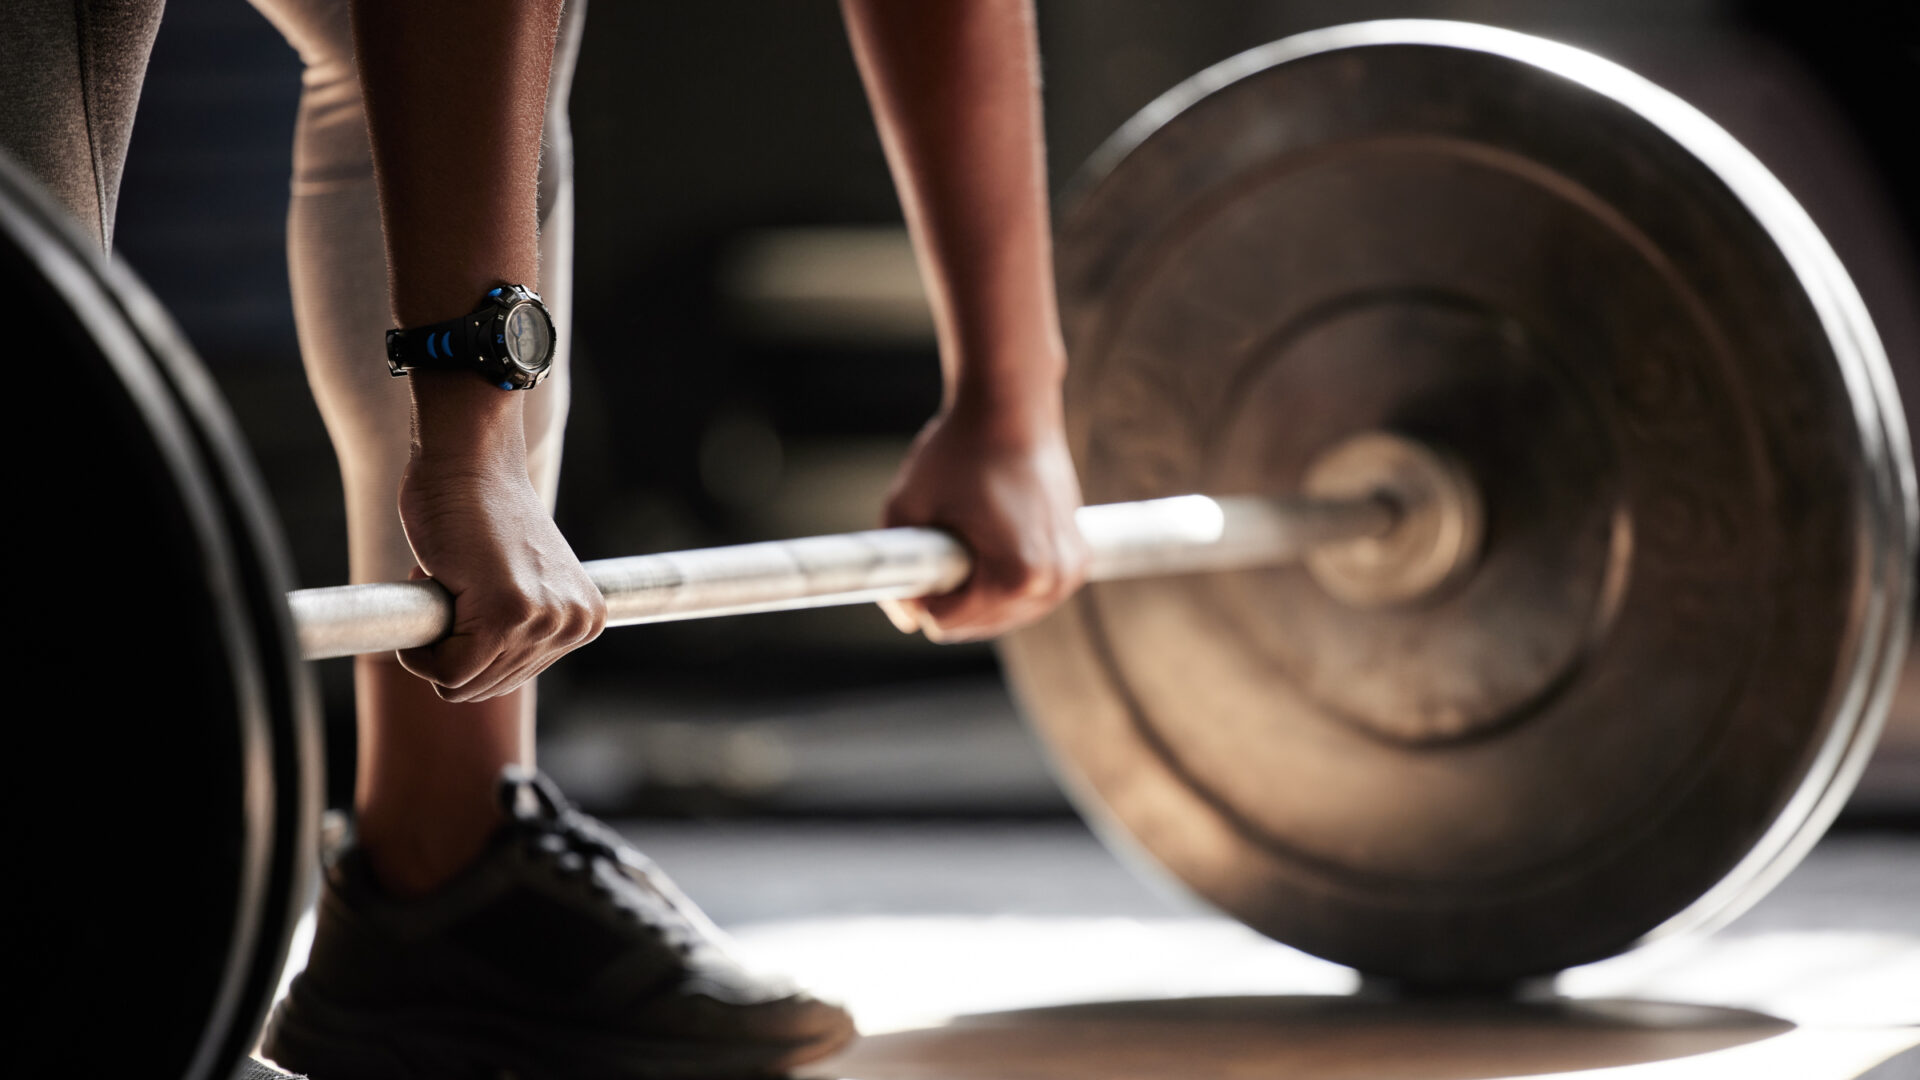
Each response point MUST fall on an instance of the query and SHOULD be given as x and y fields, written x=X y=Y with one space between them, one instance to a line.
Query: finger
x=976 y=619
x=905 y=615
x=530 y=670
x=509 y=672
x=978 y=612
x=507 y=681
x=492 y=682
x=453 y=662
x=1006 y=592
x=541 y=668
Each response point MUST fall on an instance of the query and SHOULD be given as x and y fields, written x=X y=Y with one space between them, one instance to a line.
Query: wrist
x=458 y=416
x=1006 y=413
x=1011 y=394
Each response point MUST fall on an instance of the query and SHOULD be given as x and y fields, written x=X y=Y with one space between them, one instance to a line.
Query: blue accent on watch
x=506 y=386
x=430 y=351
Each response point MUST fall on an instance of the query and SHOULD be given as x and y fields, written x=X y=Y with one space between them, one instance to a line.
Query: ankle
x=412 y=861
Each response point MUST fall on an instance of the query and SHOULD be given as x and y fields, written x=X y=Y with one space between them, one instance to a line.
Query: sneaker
x=560 y=954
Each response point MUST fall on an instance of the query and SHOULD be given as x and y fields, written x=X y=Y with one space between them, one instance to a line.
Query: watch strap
x=442 y=346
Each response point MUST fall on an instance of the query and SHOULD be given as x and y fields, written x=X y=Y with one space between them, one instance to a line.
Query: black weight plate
x=176 y=760
x=1657 y=685
x=265 y=568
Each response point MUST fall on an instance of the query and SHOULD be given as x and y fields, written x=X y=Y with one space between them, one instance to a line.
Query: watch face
x=529 y=337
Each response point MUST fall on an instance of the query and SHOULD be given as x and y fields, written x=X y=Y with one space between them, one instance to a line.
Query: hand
x=520 y=597
x=1009 y=492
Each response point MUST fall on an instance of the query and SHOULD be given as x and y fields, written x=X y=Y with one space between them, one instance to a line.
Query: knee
x=321 y=31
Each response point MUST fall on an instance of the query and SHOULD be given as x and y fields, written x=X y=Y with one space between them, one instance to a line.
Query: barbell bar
x=1381 y=518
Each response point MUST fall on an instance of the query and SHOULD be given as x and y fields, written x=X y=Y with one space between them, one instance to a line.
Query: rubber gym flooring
x=1024 y=951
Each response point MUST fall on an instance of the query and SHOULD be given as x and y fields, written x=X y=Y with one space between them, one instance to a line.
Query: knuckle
x=1030 y=580
x=518 y=610
x=545 y=623
x=492 y=629
x=509 y=608
x=588 y=615
x=1014 y=576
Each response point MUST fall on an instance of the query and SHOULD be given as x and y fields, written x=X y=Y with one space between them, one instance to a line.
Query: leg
x=554 y=950
x=424 y=796
x=69 y=82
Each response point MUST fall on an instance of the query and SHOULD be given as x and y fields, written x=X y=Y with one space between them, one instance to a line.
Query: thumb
x=903 y=614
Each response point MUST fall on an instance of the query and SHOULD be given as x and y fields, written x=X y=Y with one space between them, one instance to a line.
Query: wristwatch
x=508 y=342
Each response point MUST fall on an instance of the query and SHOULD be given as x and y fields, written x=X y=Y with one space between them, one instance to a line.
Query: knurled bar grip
x=1179 y=535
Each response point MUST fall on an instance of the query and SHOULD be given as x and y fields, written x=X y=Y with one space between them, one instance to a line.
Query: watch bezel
x=491 y=332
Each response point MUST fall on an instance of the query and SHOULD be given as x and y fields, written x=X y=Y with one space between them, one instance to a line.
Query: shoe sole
x=328 y=1042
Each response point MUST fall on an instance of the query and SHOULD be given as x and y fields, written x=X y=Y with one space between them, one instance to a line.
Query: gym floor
x=1025 y=951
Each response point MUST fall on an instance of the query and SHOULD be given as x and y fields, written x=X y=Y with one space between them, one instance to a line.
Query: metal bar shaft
x=1184 y=534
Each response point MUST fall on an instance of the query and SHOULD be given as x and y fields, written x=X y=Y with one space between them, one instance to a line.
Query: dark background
x=704 y=128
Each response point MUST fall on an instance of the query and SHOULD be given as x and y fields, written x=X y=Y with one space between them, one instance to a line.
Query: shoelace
x=575 y=841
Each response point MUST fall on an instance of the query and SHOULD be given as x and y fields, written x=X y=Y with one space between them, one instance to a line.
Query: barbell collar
x=1182 y=534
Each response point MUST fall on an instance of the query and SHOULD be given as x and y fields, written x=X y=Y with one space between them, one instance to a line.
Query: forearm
x=455 y=92
x=954 y=89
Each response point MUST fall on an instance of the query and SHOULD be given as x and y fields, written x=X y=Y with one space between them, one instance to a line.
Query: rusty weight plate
x=1653 y=692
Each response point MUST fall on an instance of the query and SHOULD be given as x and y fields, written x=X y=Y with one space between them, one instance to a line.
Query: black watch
x=509 y=342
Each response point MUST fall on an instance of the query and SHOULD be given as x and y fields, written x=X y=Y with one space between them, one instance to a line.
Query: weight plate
x=183 y=762
x=265 y=569
x=1656 y=686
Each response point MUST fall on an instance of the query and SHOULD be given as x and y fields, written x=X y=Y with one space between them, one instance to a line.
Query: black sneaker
x=561 y=954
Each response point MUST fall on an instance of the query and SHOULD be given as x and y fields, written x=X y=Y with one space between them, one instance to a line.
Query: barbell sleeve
x=1178 y=535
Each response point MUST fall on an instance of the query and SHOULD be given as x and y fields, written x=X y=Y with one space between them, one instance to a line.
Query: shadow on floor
x=1301 y=1038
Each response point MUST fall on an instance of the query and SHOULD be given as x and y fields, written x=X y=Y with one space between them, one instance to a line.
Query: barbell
x=1382 y=519
x=1558 y=558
